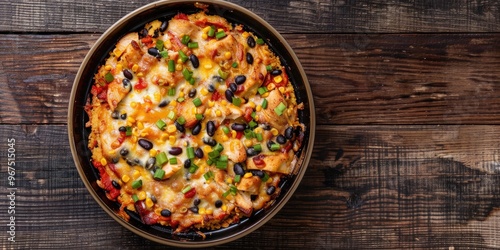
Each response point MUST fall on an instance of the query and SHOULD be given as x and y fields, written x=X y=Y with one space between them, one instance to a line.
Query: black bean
x=194 y=61
x=233 y=87
x=163 y=103
x=210 y=128
x=298 y=130
x=143 y=33
x=249 y=58
x=266 y=126
x=281 y=139
x=238 y=169
x=179 y=127
x=211 y=88
x=197 y=129
x=238 y=126
x=165 y=213
x=124 y=152
x=253 y=197
x=258 y=173
x=145 y=144
x=199 y=153
x=276 y=72
x=269 y=144
x=194 y=209
x=128 y=74
x=122 y=129
x=153 y=198
x=115 y=184
x=154 y=52
x=217 y=78
x=175 y=151
x=133 y=162
x=218 y=203
x=115 y=160
x=196 y=202
x=251 y=41
x=115 y=115
x=192 y=93
x=251 y=152
x=163 y=26
x=229 y=95
x=270 y=190
x=127 y=84
x=123 y=116
x=289 y=133
x=240 y=79
x=209 y=141
x=150 y=163
x=187 y=163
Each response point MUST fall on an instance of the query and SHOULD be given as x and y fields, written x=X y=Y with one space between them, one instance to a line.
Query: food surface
x=194 y=123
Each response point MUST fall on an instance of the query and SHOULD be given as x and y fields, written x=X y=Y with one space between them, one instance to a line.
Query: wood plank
x=356 y=79
x=375 y=16
x=380 y=187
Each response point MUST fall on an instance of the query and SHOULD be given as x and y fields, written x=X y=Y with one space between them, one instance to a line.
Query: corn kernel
x=125 y=178
x=140 y=125
x=133 y=105
x=206 y=29
x=251 y=104
x=274 y=131
x=220 y=30
x=225 y=138
x=194 y=111
x=136 y=174
x=224 y=207
x=149 y=203
x=228 y=55
x=258 y=130
x=204 y=36
x=140 y=74
x=211 y=103
x=119 y=67
x=108 y=67
x=271 y=86
x=117 y=52
x=208 y=66
x=173 y=103
x=144 y=134
x=270 y=180
x=135 y=67
x=248 y=143
x=157 y=96
x=153 y=152
x=178 y=66
x=233 y=133
x=171 y=140
x=133 y=139
x=181 y=94
x=265 y=95
x=223 y=102
x=247 y=175
x=245 y=34
x=142 y=195
x=218 y=113
x=104 y=162
x=256 y=117
x=258 y=108
x=209 y=211
x=281 y=89
x=278 y=79
x=171 y=128
x=229 y=180
x=201 y=211
x=207 y=149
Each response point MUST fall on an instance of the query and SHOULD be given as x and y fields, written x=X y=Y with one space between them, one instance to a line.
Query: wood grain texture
x=376 y=187
x=355 y=79
x=376 y=16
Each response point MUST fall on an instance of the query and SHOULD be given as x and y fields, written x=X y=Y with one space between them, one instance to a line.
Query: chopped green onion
x=172 y=160
x=223 y=74
x=193 y=168
x=257 y=147
x=187 y=74
x=252 y=124
x=185 y=39
x=159 y=173
x=264 y=104
x=218 y=147
x=269 y=68
x=234 y=65
x=159 y=45
x=213 y=155
x=259 y=136
x=262 y=90
x=249 y=134
x=225 y=130
x=171 y=66
x=193 y=45
x=181 y=120
x=199 y=117
x=190 y=152
x=171 y=115
x=275 y=146
x=219 y=35
x=161 y=158
x=253 y=115
x=280 y=108
x=210 y=162
x=161 y=124
x=265 y=177
x=191 y=81
x=259 y=41
x=223 y=158
x=211 y=31
x=180 y=99
x=186 y=189
x=129 y=131
x=164 y=54
x=137 y=184
x=209 y=175
x=236 y=101
x=109 y=77
x=171 y=92
x=237 y=178
x=197 y=102
x=221 y=164
x=183 y=56
x=135 y=198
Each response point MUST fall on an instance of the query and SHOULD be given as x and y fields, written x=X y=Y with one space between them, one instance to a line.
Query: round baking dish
x=78 y=133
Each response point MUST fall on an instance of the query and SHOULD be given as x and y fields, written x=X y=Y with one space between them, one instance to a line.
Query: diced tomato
x=100 y=91
x=240 y=89
x=216 y=96
x=283 y=82
x=239 y=134
x=248 y=114
x=106 y=181
x=190 y=193
x=147 y=41
x=175 y=41
x=141 y=84
x=267 y=80
x=181 y=16
x=148 y=217
x=287 y=147
x=259 y=160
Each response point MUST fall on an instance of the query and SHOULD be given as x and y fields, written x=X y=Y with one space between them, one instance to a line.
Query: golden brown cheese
x=194 y=123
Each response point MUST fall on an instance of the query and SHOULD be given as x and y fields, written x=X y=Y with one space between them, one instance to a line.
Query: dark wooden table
x=407 y=152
